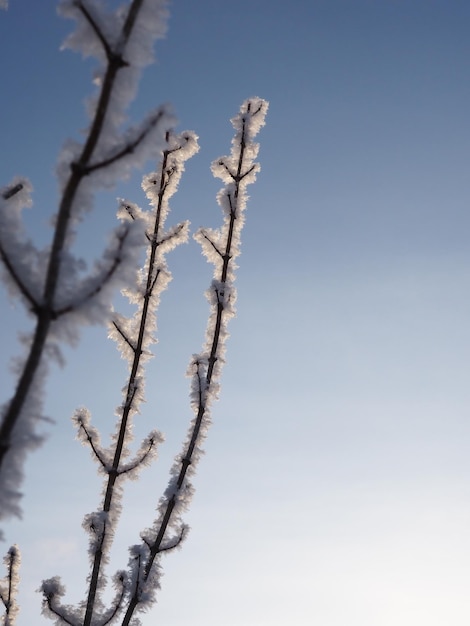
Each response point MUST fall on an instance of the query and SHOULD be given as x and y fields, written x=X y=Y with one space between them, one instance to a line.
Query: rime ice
x=51 y=281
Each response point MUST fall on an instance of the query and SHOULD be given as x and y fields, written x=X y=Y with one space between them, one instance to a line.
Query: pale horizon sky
x=335 y=488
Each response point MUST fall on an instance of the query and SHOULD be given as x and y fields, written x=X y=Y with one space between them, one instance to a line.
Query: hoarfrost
x=51 y=281
x=9 y=585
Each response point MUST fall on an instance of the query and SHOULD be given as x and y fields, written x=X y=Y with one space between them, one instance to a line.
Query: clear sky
x=335 y=489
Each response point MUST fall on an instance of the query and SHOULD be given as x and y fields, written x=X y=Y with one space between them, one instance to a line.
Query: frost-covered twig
x=16 y=278
x=141 y=582
x=49 y=281
x=134 y=337
x=221 y=248
x=9 y=586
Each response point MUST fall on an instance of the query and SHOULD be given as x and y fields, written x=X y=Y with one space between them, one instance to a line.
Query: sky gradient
x=335 y=489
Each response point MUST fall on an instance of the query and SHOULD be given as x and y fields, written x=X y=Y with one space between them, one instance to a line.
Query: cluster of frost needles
x=50 y=283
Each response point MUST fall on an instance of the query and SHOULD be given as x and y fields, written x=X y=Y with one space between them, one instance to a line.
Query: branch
x=52 y=589
x=96 y=451
x=8 y=594
x=99 y=33
x=154 y=268
x=116 y=604
x=126 y=150
x=151 y=442
x=173 y=234
x=102 y=283
x=209 y=240
x=59 y=611
x=9 y=193
x=204 y=381
x=176 y=541
x=17 y=280
x=123 y=335
x=154 y=282
x=78 y=171
x=131 y=214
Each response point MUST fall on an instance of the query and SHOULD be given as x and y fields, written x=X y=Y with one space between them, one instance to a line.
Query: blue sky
x=335 y=489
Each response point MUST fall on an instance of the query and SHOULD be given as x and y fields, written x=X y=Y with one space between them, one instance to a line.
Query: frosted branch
x=146 y=454
x=104 y=276
x=87 y=434
x=129 y=148
x=136 y=336
x=97 y=30
x=210 y=242
x=123 y=335
x=52 y=590
x=9 y=585
x=17 y=280
x=176 y=541
x=120 y=582
x=104 y=153
x=207 y=365
x=12 y=191
x=19 y=256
